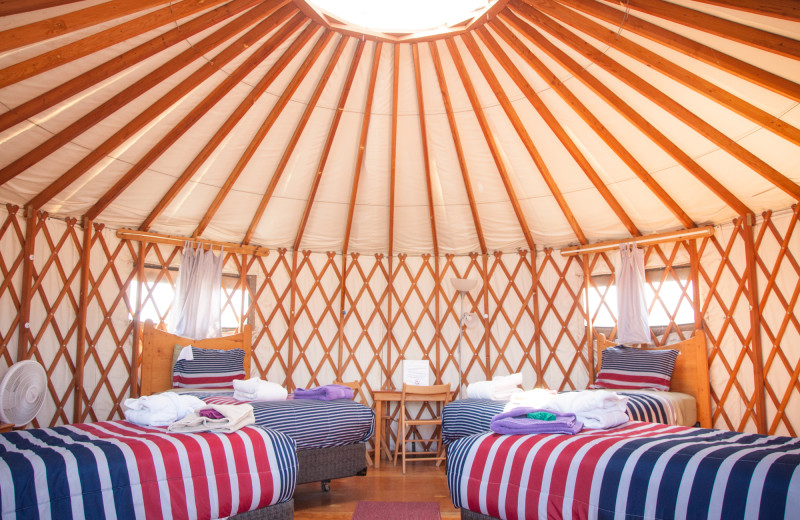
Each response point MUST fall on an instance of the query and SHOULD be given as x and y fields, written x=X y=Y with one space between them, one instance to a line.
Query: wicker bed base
x=282 y=511
x=329 y=463
x=466 y=514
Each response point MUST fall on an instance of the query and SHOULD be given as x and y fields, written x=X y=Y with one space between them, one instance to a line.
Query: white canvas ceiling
x=219 y=121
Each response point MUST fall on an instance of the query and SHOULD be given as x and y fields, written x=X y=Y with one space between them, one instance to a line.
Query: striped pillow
x=209 y=368
x=633 y=368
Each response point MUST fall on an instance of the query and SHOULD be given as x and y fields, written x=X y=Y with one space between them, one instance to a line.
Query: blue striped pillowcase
x=210 y=368
x=633 y=368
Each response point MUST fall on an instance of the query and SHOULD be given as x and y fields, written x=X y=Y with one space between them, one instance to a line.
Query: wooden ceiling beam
x=326 y=149
x=657 y=62
x=147 y=115
x=615 y=101
x=729 y=29
x=202 y=108
x=9 y=7
x=43 y=30
x=685 y=115
x=548 y=118
x=266 y=125
x=104 y=39
x=689 y=47
x=594 y=123
x=462 y=160
x=524 y=136
x=362 y=143
x=393 y=150
x=489 y=137
x=222 y=132
x=141 y=86
x=298 y=131
x=119 y=63
x=785 y=9
x=424 y=137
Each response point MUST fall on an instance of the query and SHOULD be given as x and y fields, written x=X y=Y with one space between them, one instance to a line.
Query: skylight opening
x=406 y=17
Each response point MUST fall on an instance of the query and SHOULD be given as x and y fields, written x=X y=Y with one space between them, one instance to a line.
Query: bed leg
x=326 y=485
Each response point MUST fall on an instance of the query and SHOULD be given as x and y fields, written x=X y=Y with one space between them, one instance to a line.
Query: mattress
x=464 y=417
x=116 y=469
x=638 y=470
x=311 y=423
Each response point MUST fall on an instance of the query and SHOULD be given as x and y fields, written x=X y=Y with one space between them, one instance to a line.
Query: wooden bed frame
x=158 y=346
x=690 y=375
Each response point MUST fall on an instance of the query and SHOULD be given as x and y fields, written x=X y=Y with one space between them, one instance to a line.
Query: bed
x=116 y=469
x=688 y=403
x=637 y=470
x=330 y=435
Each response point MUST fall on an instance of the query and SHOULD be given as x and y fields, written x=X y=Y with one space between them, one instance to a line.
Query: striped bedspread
x=119 y=470
x=638 y=470
x=311 y=423
x=464 y=417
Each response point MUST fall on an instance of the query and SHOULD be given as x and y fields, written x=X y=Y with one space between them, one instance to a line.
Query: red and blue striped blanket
x=638 y=470
x=119 y=470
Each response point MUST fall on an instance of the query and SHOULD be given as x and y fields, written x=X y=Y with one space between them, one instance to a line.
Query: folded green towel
x=541 y=416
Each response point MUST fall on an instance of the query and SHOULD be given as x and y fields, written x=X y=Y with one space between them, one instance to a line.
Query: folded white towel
x=498 y=389
x=160 y=409
x=602 y=419
x=236 y=416
x=255 y=389
x=594 y=408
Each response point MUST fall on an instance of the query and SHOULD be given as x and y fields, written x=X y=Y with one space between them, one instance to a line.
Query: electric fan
x=22 y=392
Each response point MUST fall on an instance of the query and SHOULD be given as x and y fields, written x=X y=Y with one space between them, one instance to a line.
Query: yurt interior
x=369 y=259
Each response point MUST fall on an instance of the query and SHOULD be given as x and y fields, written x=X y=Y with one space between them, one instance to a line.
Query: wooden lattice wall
x=317 y=317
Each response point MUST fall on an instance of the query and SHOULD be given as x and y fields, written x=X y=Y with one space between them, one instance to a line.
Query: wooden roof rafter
x=672 y=70
x=323 y=160
x=789 y=10
x=549 y=119
x=121 y=62
x=301 y=125
x=222 y=132
x=583 y=111
x=139 y=87
x=424 y=137
x=362 y=143
x=393 y=146
x=615 y=101
x=9 y=7
x=462 y=161
x=202 y=108
x=490 y=141
x=96 y=42
x=687 y=46
x=255 y=141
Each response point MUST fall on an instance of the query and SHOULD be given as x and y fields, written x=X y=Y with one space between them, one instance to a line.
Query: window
x=159 y=293
x=671 y=298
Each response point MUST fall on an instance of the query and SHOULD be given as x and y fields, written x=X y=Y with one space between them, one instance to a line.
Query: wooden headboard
x=691 y=371
x=158 y=346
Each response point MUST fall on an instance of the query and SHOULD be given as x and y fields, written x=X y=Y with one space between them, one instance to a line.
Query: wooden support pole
x=390 y=333
x=485 y=295
x=341 y=317
x=31 y=229
x=536 y=320
x=589 y=334
x=83 y=303
x=694 y=260
x=748 y=223
x=292 y=321
x=438 y=371
x=141 y=284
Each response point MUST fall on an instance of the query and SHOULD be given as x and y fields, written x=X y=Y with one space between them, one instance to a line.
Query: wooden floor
x=423 y=482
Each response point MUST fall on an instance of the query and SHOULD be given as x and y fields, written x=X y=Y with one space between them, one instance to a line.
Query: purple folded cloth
x=325 y=393
x=210 y=413
x=515 y=422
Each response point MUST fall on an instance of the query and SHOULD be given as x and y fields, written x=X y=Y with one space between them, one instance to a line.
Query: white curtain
x=632 y=324
x=196 y=307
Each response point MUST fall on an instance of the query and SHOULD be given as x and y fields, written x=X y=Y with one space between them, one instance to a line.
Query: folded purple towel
x=325 y=393
x=210 y=413
x=515 y=422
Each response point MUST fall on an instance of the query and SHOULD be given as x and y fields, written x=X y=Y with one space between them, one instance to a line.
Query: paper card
x=416 y=372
